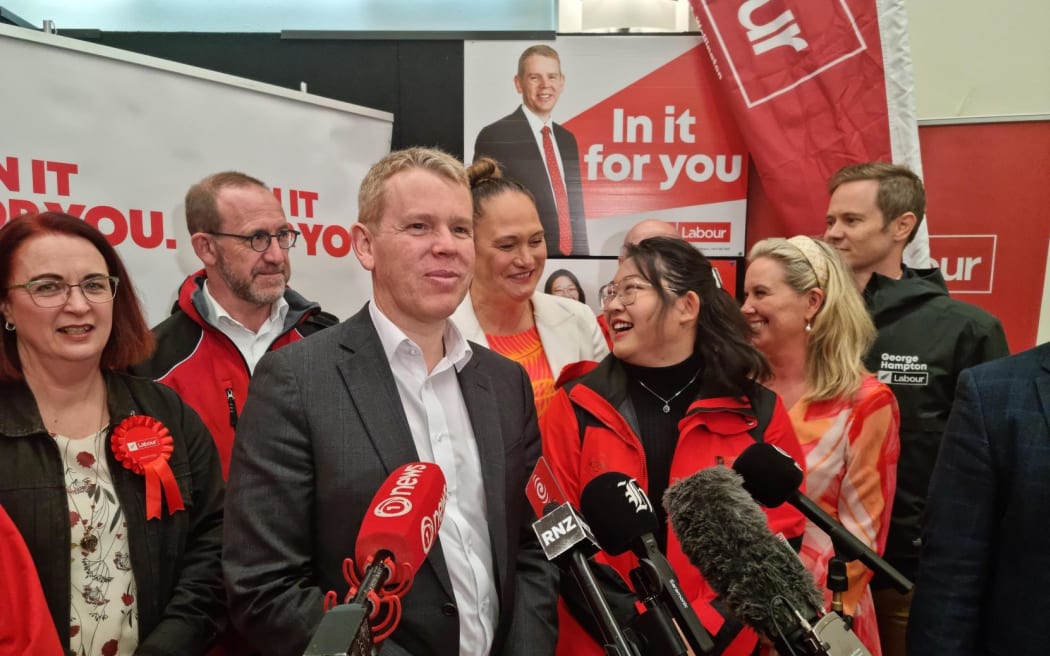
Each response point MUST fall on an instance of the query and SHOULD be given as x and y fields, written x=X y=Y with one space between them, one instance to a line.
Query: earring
x=809 y=326
x=8 y=326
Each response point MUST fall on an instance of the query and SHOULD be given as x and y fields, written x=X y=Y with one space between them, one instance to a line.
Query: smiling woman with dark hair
x=112 y=481
x=679 y=393
x=565 y=284
x=503 y=310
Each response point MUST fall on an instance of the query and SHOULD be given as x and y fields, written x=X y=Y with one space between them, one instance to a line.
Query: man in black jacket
x=925 y=339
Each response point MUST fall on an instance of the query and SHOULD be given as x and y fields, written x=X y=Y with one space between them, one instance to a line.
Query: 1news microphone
x=762 y=581
x=396 y=535
x=567 y=540
x=622 y=518
x=773 y=477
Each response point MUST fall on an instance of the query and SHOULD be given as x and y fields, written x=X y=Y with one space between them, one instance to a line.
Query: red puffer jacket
x=585 y=434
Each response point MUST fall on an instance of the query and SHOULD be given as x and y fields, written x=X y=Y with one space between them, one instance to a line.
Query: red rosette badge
x=144 y=445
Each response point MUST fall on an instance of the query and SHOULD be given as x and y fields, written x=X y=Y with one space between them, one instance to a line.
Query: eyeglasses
x=260 y=241
x=50 y=293
x=626 y=290
x=565 y=291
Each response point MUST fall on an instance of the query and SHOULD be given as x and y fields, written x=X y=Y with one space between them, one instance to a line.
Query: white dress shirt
x=536 y=124
x=252 y=345
x=442 y=432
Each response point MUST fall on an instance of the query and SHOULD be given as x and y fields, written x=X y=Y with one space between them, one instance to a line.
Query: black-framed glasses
x=49 y=292
x=260 y=241
x=626 y=290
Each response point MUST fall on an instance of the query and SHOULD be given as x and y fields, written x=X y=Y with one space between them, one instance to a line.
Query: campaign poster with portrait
x=639 y=130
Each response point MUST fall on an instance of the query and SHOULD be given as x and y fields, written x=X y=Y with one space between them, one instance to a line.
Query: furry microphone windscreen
x=725 y=535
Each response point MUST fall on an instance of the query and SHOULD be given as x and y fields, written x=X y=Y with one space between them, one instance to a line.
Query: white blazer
x=569 y=330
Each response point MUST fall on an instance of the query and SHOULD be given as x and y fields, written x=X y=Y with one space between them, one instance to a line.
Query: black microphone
x=622 y=518
x=726 y=535
x=773 y=477
x=567 y=540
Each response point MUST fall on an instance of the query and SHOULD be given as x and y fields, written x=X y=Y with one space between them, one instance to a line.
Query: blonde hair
x=842 y=330
x=540 y=50
x=371 y=199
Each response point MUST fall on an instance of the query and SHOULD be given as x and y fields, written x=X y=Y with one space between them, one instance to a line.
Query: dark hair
x=487 y=181
x=130 y=341
x=202 y=209
x=674 y=267
x=547 y=286
x=900 y=189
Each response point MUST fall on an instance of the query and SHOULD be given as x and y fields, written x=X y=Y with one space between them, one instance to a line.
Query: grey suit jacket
x=322 y=428
x=983 y=577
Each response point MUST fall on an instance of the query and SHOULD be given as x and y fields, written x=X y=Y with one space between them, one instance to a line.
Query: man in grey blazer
x=327 y=420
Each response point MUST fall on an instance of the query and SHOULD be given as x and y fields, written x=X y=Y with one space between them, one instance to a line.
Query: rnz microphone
x=725 y=534
x=395 y=537
x=623 y=518
x=567 y=540
x=773 y=477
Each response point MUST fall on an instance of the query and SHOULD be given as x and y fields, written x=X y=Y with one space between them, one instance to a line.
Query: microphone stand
x=848 y=546
x=838 y=582
x=615 y=642
x=660 y=634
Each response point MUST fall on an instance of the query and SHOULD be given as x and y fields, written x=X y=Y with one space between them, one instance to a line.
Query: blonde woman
x=809 y=320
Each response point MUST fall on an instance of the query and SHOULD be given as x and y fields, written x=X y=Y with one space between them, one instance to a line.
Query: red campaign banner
x=652 y=136
x=808 y=86
x=967 y=262
x=649 y=147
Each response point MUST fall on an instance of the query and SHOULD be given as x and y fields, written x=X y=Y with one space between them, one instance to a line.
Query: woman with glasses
x=678 y=394
x=503 y=310
x=565 y=284
x=112 y=481
x=809 y=320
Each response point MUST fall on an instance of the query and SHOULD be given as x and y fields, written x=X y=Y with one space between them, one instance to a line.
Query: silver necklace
x=667 y=402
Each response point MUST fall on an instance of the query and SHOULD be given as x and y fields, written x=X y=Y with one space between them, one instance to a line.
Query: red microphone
x=543 y=489
x=396 y=535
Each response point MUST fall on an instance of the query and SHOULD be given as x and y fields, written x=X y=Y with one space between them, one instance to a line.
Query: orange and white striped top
x=852 y=447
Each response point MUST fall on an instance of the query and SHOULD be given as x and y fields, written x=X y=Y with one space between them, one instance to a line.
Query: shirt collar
x=278 y=310
x=457 y=349
x=535 y=122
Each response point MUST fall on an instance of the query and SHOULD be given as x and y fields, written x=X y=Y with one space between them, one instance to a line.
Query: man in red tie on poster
x=541 y=154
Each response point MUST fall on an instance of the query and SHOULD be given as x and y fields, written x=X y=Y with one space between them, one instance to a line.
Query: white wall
x=979 y=58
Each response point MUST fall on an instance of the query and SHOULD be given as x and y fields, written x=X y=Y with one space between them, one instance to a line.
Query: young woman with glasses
x=678 y=394
x=113 y=483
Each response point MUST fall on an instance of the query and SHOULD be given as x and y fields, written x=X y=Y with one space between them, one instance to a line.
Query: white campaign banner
x=117 y=138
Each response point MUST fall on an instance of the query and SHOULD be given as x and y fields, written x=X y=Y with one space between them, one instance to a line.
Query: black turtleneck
x=659 y=431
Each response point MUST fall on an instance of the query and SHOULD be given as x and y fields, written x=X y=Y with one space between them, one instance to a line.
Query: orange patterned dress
x=852 y=447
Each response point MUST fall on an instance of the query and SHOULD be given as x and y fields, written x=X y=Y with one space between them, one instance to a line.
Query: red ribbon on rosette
x=144 y=446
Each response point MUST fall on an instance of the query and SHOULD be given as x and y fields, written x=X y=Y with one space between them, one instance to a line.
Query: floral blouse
x=104 y=614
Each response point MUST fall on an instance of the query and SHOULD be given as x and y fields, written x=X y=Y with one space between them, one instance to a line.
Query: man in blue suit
x=539 y=153
x=983 y=576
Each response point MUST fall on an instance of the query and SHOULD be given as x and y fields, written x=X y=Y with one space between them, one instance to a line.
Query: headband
x=809 y=249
